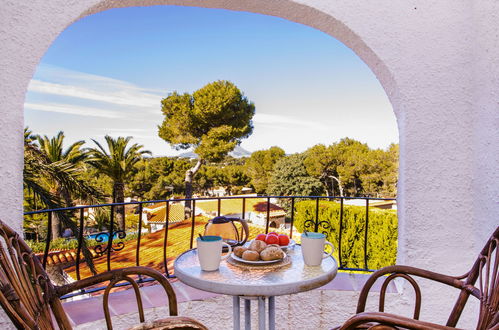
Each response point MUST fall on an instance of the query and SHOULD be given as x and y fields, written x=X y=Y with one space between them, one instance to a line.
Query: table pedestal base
x=236 y=305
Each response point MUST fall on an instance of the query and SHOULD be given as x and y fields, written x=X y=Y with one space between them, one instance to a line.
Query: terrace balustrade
x=110 y=244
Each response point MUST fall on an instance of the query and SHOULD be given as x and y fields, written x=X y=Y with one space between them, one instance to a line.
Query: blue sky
x=107 y=73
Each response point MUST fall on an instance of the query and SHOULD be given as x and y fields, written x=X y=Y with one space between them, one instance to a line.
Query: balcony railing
x=110 y=242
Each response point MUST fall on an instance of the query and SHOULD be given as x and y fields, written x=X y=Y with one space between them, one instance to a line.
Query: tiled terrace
x=87 y=313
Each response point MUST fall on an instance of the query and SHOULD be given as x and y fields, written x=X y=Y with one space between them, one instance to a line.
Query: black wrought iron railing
x=110 y=243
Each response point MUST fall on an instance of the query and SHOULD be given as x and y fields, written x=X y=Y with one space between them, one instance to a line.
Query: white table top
x=236 y=281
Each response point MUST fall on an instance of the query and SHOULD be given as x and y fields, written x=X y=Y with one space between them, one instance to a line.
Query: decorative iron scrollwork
x=120 y=234
x=326 y=225
x=100 y=249
x=104 y=237
x=311 y=225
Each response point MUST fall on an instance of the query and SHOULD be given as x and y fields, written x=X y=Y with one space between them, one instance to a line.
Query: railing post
x=365 y=235
x=292 y=217
x=219 y=206
x=80 y=242
x=243 y=215
x=316 y=228
x=165 y=240
x=193 y=221
x=49 y=237
x=268 y=216
x=341 y=232
x=137 y=252
x=110 y=238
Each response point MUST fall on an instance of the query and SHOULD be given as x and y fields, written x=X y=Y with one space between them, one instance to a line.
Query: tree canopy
x=260 y=165
x=212 y=120
x=351 y=168
x=290 y=178
x=56 y=177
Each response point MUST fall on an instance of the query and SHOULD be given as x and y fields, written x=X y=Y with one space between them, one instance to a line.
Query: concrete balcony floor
x=321 y=308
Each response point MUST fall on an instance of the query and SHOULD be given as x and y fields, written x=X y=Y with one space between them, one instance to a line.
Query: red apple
x=261 y=237
x=272 y=239
x=283 y=240
x=273 y=233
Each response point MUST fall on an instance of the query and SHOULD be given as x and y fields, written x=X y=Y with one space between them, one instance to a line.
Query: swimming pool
x=104 y=235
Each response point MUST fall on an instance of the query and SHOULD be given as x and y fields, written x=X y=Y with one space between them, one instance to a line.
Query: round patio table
x=255 y=284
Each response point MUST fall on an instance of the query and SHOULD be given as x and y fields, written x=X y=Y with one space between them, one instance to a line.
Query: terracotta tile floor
x=122 y=302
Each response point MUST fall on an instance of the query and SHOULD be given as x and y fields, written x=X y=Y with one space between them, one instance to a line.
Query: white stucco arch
x=438 y=63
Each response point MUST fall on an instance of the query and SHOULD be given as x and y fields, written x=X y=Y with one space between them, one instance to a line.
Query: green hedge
x=382 y=232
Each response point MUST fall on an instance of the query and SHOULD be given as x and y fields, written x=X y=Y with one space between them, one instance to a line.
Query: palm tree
x=37 y=166
x=67 y=185
x=117 y=164
x=38 y=169
x=53 y=148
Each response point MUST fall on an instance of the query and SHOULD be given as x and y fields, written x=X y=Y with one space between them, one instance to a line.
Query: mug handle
x=230 y=251
x=332 y=249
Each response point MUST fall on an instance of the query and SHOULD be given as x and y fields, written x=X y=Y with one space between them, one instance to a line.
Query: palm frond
x=118 y=160
x=52 y=202
x=47 y=164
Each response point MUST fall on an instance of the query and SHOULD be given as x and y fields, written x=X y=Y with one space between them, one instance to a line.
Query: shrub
x=382 y=232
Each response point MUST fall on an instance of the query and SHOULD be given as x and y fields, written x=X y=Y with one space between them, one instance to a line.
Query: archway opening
x=288 y=109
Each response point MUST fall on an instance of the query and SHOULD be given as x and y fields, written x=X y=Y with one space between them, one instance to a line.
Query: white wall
x=437 y=60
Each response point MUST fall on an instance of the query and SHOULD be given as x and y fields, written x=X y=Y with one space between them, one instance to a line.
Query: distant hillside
x=238 y=152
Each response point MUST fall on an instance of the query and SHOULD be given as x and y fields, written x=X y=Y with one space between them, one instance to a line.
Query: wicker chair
x=30 y=299
x=485 y=270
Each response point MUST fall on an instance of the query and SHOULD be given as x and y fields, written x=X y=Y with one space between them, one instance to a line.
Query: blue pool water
x=103 y=236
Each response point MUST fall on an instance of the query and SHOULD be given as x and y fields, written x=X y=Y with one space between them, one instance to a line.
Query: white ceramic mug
x=312 y=248
x=210 y=252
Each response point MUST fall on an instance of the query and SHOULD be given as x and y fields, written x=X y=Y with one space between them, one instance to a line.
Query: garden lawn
x=229 y=206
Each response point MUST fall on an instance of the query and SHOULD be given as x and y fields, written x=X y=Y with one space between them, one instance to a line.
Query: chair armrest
x=391 y=320
x=123 y=274
x=405 y=272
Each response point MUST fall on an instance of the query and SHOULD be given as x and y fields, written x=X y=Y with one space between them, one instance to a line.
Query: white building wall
x=437 y=60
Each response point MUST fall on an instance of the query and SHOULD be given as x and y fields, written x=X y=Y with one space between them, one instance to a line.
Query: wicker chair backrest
x=26 y=293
